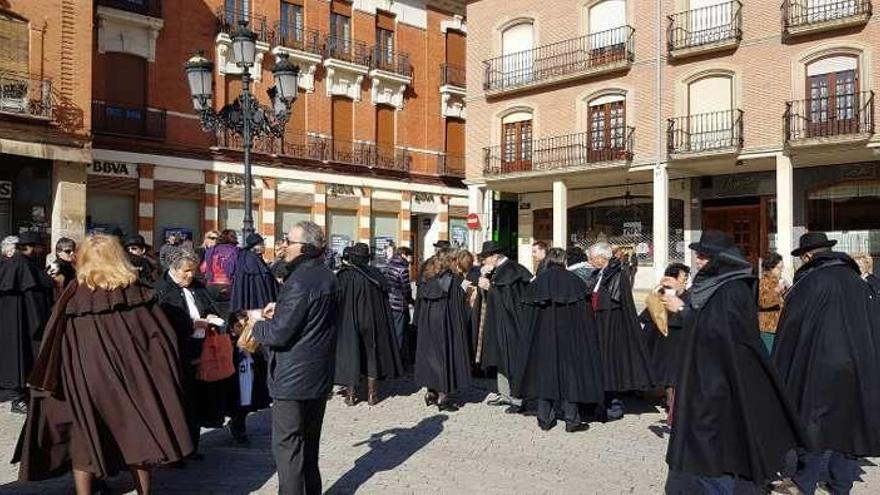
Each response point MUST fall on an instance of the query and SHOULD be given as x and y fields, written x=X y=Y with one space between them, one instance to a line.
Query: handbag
x=215 y=363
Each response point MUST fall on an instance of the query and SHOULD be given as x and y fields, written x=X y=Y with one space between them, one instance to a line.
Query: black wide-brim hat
x=442 y=244
x=135 y=240
x=812 y=241
x=30 y=238
x=490 y=248
x=360 y=249
x=713 y=242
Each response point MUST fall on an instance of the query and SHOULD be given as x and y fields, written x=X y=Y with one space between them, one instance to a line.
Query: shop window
x=607 y=125
x=459 y=234
x=181 y=215
x=105 y=213
x=385 y=229
x=288 y=216
x=832 y=88
x=343 y=228
x=232 y=215
x=847 y=212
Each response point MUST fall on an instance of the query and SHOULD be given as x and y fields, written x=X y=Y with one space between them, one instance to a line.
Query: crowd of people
x=768 y=385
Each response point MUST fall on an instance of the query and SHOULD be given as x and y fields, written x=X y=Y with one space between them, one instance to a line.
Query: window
x=710 y=123
x=605 y=20
x=237 y=10
x=517 y=43
x=607 y=125
x=385 y=46
x=516 y=142
x=710 y=20
x=385 y=132
x=833 y=94
x=14 y=40
x=340 y=35
x=291 y=25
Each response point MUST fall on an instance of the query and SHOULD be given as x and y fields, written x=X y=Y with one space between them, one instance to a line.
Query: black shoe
x=576 y=427
x=498 y=401
x=513 y=410
x=430 y=400
x=447 y=407
x=546 y=426
x=19 y=407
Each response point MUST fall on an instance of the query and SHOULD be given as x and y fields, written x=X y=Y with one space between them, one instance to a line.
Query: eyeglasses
x=66 y=251
x=291 y=243
x=212 y=237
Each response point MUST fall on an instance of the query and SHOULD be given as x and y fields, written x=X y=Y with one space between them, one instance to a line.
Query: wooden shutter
x=455 y=137
x=233 y=88
x=126 y=77
x=455 y=48
x=385 y=20
x=342 y=124
x=341 y=7
x=16 y=44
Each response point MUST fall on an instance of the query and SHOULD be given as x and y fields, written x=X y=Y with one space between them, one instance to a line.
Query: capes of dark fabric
x=665 y=351
x=504 y=325
x=732 y=415
x=26 y=294
x=260 y=398
x=874 y=283
x=561 y=352
x=625 y=360
x=366 y=343
x=66 y=274
x=145 y=268
x=827 y=351
x=475 y=312
x=253 y=285
x=441 y=316
x=105 y=392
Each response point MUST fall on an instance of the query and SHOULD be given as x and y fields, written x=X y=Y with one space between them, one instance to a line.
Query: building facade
x=644 y=125
x=374 y=149
x=44 y=115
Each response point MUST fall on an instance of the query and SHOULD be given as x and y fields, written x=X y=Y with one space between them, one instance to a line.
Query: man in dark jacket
x=828 y=355
x=301 y=338
x=396 y=272
x=136 y=249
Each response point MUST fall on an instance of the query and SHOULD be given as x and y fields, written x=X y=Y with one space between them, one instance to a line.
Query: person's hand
x=201 y=324
x=484 y=283
x=485 y=269
x=672 y=303
x=673 y=283
x=269 y=311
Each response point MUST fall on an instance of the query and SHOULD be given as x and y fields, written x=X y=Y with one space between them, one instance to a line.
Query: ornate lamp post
x=245 y=116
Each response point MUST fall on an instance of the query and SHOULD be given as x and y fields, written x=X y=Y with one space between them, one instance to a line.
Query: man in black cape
x=733 y=419
x=136 y=250
x=562 y=367
x=26 y=294
x=504 y=281
x=366 y=343
x=253 y=285
x=625 y=359
x=827 y=351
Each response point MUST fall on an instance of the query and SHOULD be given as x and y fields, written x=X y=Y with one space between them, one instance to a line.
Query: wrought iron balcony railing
x=296 y=37
x=347 y=50
x=559 y=60
x=229 y=19
x=453 y=75
x=450 y=165
x=710 y=25
x=25 y=95
x=127 y=120
x=802 y=14
x=840 y=116
x=561 y=152
x=152 y=8
x=705 y=132
x=391 y=61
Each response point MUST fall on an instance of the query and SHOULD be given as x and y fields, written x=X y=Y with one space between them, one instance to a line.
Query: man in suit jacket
x=301 y=338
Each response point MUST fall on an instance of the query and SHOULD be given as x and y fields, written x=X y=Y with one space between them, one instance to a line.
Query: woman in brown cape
x=105 y=389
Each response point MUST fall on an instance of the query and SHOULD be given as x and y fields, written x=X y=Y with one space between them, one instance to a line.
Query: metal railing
x=453 y=75
x=152 y=8
x=560 y=59
x=127 y=120
x=809 y=12
x=830 y=116
x=26 y=95
x=347 y=49
x=704 y=26
x=228 y=21
x=705 y=132
x=391 y=61
x=296 y=37
x=450 y=165
x=559 y=152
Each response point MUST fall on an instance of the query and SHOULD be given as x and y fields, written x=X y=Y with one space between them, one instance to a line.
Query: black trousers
x=296 y=436
x=548 y=410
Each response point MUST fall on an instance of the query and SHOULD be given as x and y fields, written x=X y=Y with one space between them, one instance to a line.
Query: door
x=516 y=139
x=607 y=124
x=833 y=103
x=342 y=129
x=340 y=36
x=743 y=223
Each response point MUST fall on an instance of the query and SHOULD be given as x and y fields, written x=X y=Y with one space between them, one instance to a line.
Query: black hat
x=135 y=240
x=713 y=242
x=442 y=244
x=29 y=238
x=360 y=250
x=253 y=239
x=812 y=241
x=490 y=248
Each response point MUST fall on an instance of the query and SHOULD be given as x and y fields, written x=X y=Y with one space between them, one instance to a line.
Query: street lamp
x=244 y=116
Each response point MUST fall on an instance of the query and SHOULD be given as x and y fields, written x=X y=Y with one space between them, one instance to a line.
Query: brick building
x=373 y=151
x=644 y=125
x=44 y=115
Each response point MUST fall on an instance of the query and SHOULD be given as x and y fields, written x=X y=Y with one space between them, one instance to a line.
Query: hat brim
x=704 y=249
x=806 y=249
x=486 y=254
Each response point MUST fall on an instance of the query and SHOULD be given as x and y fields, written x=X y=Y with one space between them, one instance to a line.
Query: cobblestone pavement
x=400 y=446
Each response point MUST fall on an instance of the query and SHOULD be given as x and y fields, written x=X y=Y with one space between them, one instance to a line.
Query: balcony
x=228 y=21
x=704 y=30
x=391 y=74
x=25 y=96
x=594 y=54
x=705 y=133
x=347 y=62
x=812 y=16
x=450 y=165
x=391 y=61
x=829 y=120
x=561 y=153
x=452 y=91
x=347 y=50
x=453 y=75
x=151 y=8
x=303 y=46
x=128 y=121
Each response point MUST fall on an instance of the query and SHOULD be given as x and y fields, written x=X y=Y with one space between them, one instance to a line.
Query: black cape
x=827 y=350
x=441 y=316
x=504 y=323
x=732 y=415
x=561 y=353
x=366 y=344
x=253 y=284
x=26 y=296
x=625 y=360
x=665 y=351
x=145 y=268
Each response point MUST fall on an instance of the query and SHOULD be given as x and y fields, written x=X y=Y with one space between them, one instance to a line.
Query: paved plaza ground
x=400 y=446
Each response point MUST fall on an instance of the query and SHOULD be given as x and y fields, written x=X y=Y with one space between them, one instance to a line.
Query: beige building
x=644 y=123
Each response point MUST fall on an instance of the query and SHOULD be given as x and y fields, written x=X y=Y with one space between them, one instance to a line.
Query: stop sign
x=473 y=221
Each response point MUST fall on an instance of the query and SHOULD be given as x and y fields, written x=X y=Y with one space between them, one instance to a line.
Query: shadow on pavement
x=385 y=455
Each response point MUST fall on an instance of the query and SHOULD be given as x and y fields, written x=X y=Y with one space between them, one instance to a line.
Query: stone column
x=68 y=201
x=476 y=202
x=267 y=216
x=364 y=215
x=212 y=201
x=319 y=210
x=146 y=202
x=785 y=212
x=405 y=219
x=661 y=220
x=560 y=214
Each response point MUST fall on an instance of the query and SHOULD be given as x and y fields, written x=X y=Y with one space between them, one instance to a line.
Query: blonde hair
x=865 y=262
x=102 y=264
x=205 y=238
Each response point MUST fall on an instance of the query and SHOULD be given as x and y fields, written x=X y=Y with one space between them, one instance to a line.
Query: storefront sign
x=525 y=206
x=459 y=236
x=340 y=190
x=236 y=180
x=632 y=228
x=182 y=233
x=421 y=197
x=113 y=169
x=5 y=189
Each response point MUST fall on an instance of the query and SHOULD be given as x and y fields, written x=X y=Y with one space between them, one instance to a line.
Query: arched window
x=606 y=121
x=517 y=42
x=832 y=87
x=606 y=18
x=516 y=141
x=711 y=115
x=708 y=22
